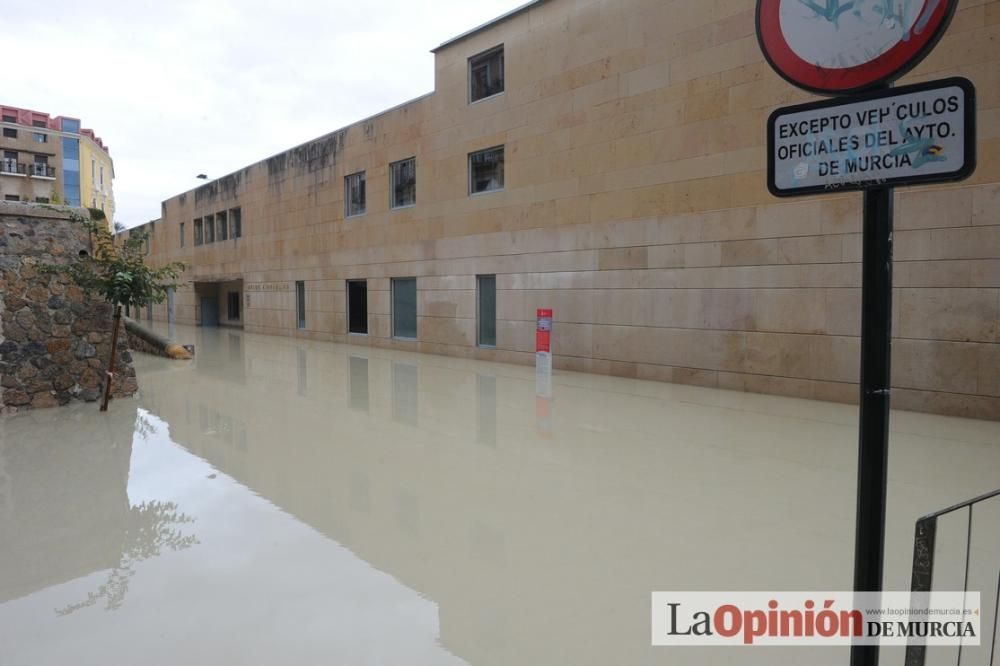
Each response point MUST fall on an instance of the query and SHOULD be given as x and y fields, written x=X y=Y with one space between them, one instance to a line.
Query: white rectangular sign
x=816 y=619
x=917 y=134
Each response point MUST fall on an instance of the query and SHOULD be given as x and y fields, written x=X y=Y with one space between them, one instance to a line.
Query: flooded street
x=284 y=502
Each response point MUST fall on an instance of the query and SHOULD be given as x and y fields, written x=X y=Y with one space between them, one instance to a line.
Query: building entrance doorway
x=209 y=311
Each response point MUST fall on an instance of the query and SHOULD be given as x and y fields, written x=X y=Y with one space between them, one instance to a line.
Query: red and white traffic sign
x=839 y=47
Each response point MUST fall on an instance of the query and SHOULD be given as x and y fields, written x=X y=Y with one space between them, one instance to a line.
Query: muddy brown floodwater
x=284 y=502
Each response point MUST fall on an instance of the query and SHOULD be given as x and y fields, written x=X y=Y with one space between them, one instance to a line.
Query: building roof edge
x=489 y=24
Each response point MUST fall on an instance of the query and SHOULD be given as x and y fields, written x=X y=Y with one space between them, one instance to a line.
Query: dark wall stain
x=369 y=129
x=224 y=188
x=307 y=158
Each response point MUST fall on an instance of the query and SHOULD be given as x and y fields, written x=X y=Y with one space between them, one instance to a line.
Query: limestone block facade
x=632 y=202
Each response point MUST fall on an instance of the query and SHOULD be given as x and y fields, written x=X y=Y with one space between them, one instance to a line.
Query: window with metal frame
x=403 y=185
x=404 y=308
x=486 y=74
x=354 y=195
x=236 y=223
x=486 y=170
x=300 y=305
x=486 y=310
x=222 y=226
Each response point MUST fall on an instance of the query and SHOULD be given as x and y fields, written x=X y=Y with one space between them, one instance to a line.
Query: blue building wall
x=71 y=170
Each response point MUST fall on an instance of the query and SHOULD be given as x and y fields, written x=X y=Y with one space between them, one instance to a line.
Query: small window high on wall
x=355 y=198
x=222 y=226
x=486 y=74
x=404 y=183
x=236 y=223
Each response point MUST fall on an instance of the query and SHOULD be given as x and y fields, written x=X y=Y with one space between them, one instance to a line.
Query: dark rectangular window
x=486 y=74
x=357 y=307
x=39 y=123
x=9 y=119
x=40 y=138
x=199 y=236
x=233 y=305
x=222 y=227
x=403 y=187
x=404 y=308
x=209 y=229
x=486 y=170
x=300 y=305
x=182 y=235
x=354 y=194
x=10 y=133
x=486 y=293
x=236 y=223
x=11 y=197
x=44 y=200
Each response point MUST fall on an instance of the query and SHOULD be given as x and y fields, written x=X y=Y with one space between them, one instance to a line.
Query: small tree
x=118 y=274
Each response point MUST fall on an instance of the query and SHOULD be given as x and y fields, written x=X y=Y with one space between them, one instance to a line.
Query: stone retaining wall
x=54 y=339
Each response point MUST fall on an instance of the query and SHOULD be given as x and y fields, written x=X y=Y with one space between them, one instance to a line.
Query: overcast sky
x=182 y=87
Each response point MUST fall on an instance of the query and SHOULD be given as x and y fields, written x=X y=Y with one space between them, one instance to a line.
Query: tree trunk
x=111 y=363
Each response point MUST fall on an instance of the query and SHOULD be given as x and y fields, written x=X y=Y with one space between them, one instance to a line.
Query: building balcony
x=42 y=171
x=13 y=168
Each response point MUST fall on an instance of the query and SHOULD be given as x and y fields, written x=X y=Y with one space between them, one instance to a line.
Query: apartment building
x=53 y=160
x=604 y=158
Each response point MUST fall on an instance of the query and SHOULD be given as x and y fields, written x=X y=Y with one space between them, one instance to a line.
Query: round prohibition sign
x=841 y=47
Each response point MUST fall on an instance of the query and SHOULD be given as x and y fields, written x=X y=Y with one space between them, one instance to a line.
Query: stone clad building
x=605 y=158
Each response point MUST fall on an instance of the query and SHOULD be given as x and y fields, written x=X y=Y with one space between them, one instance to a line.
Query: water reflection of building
x=63 y=499
x=65 y=511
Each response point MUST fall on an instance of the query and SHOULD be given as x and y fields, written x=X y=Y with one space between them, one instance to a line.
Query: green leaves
x=118 y=273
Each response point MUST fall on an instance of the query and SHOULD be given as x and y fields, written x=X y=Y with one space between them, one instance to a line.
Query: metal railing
x=13 y=166
x=43 y=171
x=924 y=548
